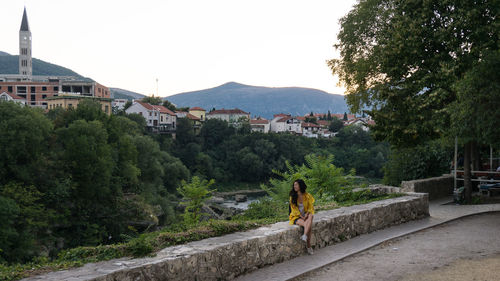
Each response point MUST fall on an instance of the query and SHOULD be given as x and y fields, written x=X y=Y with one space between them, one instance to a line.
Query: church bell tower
x=25 y=64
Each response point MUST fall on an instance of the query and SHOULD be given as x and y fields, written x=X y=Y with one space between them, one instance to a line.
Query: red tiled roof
x=228 y=111
x=145 y=105
x=163 y=109
x=192 y=117
x=284 y=118
x=310 y=125
x=197 y=108
x=159 y=108
x=301 y=118
x=323 y=122
x=259 y=121
x=281 y=115
x=341 y=116
x=16 y=97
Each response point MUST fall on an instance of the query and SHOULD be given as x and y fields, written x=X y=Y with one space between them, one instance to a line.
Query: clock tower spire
x=25 y=64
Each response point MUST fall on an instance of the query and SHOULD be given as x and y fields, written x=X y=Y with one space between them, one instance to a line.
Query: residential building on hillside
x=364 y=123
x=4 y=96
x=195 y=120
x=286 y=123
x=233 y=116
x=310 y=130
x=119 y=104
x=260 y=125
x=36 y=89
x=159 y=119
x=198 y=112
x=68 y=101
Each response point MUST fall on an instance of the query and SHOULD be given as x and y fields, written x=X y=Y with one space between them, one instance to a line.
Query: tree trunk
x=467 y=172
x=476 y=162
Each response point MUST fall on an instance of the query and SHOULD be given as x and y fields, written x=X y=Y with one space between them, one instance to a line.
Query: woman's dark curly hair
x=294 y=194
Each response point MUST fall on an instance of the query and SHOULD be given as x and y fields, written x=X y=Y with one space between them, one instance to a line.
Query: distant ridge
x=118 y=93
x=9 y=64
x=262 y=101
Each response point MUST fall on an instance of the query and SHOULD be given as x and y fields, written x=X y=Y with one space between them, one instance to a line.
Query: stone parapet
x=436 y=187
x=225 y=257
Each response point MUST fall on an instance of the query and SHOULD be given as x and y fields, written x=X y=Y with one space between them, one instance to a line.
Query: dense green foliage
x=228 y=155
x=427 y=69
x=195 y=193
x=403 y=59
x=428 y=160
x=80 y=178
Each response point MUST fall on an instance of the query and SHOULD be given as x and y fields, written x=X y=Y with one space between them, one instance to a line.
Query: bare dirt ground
x=466 y=249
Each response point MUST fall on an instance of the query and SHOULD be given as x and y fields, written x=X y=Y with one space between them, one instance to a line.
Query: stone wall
x=436 y=187
x=225 y=257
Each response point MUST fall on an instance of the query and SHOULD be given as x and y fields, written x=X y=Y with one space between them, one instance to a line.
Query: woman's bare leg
x=306 y=226
x=309 y=221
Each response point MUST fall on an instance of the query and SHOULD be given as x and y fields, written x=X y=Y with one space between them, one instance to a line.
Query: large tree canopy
x=404 y=58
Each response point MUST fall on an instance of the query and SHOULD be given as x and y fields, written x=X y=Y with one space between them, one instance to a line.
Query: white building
x=158 y=118
x=11 y=97
x=260 y=125
x=232 y=116
x=285 y=123
x=119 y=103
x=310 y=130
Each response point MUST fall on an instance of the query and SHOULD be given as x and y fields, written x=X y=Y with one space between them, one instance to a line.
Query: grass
x=260 y=213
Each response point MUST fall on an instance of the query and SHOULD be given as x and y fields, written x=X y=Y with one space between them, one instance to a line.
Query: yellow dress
x=308 y=202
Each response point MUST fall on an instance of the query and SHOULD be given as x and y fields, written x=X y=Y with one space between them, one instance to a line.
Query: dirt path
x=466 y=249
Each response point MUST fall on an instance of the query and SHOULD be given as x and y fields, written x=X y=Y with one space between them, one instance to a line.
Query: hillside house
x=364 y=123
x=260 y=125
x=232 y=116
x=195 y=120
x=286 y=123
x=11 y=97
x=310 y=130
x=198 y=112
x=159 y=119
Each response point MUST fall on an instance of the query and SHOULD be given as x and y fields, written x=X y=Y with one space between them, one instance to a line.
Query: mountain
x=118 y=93
x=9 y=64
x=262 y=101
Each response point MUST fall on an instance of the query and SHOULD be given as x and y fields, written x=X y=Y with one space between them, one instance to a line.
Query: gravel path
x=465 y=249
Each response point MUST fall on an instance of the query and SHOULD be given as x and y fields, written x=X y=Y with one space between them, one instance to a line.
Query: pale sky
x=187 y=45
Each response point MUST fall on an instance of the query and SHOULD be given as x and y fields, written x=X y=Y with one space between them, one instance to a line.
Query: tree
x=169 y=105
x=403 y=58
x=127 y=105
x=345 y=117
x=24 y=136
x=329 y=116
x=152 y=100
x=335 y=125
x=195 y=194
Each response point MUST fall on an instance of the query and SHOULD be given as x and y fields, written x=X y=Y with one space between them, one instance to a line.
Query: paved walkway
x=439 y=214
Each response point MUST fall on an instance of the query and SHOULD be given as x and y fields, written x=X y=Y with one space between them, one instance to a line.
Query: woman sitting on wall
x=302 y=210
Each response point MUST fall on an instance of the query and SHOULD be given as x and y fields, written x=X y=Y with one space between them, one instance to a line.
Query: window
x=99 y=90
x=44 y=88
x=155 y=113
x=150 y=114
x=106 y=108
x=9 y=89
x=32 y=89
x=44 y=96
x=33 y=97
x=70 y=105
x=140 y=113
x=161 y=118
x=56 y=88
x=21 y=89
